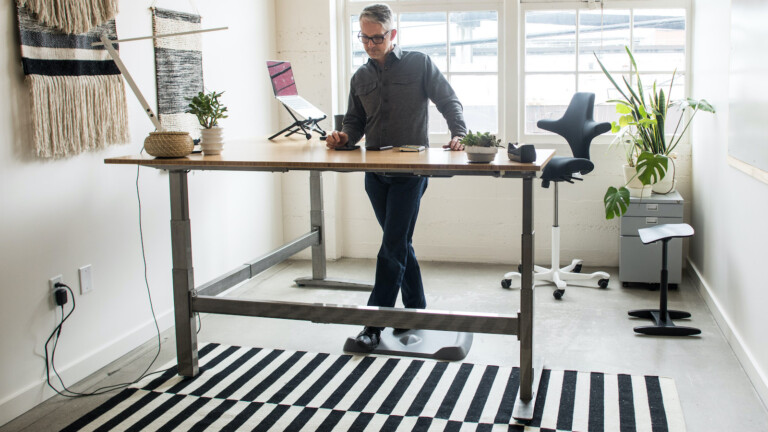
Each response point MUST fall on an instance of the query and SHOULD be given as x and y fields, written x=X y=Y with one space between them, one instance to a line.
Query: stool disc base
x=663 y=326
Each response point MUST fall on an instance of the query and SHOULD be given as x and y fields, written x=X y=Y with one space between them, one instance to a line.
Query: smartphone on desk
x=371 y=148
x=346 y=148
x=412 y=148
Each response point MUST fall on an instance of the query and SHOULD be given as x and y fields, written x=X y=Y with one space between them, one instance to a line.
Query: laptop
x=284 y=86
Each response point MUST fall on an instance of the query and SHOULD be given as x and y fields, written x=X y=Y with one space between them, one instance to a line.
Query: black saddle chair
x=578 y=128
x=663 y=317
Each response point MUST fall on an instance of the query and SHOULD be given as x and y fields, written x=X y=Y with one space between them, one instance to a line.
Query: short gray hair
x=378 y=13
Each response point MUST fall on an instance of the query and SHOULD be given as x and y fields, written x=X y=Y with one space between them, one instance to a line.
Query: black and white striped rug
x=259 y=389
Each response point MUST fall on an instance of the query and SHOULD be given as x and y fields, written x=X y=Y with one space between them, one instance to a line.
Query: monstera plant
x=642 y=127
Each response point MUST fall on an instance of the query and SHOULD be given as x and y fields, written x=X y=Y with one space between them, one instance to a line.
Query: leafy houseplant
x=642 y=128
x=209 y=110
x=481 y=147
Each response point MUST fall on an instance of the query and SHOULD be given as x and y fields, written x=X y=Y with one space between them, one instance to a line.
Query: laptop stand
x=304 y=126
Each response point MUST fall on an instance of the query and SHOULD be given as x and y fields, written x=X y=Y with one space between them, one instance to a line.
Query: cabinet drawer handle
x=652 y=220
x=652 y=207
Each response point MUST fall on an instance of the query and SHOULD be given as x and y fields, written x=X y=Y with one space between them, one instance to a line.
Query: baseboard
x=37 y=392
x=743 y=353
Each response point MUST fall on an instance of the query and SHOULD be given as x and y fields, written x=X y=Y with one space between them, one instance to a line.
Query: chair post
x=556 y=211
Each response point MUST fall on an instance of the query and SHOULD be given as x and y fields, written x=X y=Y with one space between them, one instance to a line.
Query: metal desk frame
x=188 y=299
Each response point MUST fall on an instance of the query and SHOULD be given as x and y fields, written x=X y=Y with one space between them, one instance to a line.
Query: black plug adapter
x=60 y=295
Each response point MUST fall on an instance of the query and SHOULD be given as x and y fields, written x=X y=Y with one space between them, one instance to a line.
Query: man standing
x=388 y=102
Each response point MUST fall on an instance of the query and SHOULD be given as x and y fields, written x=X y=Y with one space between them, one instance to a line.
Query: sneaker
x=369 y=338
x=524 y=153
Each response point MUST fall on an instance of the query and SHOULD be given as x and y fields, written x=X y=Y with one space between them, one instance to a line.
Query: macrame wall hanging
x=178 y=68
x=77 y=94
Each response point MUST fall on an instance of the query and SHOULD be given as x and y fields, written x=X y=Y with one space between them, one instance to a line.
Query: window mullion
x=578 y=42
x=448 y=46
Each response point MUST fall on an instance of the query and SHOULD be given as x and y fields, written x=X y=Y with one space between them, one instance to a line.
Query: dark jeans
x=396 y=202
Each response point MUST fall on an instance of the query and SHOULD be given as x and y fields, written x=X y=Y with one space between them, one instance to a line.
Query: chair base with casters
x=662 y=317
x=578 y=127
x=558 y=275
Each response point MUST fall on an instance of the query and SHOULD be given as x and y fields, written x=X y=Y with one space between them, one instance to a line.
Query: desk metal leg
x=183 y=276
x=529 y=372
x=317 y=220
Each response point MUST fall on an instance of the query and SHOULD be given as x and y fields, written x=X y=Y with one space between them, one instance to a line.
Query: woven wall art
x=178 y=68
x=76 y=91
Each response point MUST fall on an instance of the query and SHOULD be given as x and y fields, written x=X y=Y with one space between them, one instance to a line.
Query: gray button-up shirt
x=389 y=105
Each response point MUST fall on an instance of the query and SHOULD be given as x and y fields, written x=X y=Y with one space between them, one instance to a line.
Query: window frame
x=347 y=8
x=511 y=50
x=545 y=5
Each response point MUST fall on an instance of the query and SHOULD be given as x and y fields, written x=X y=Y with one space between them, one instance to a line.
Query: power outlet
x=53 y=281
x=52 y=285
x=86 y=279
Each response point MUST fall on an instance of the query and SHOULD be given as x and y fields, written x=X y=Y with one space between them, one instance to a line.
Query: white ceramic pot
x=667 y=184
x=635 y=186
x=479 y=154
x=212 y=140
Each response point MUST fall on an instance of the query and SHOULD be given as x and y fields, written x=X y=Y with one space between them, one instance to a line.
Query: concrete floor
x=588 y=330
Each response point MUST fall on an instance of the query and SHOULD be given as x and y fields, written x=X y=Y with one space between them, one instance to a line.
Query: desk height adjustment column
x=317 y=222
x=183 y=275
x=530 y=368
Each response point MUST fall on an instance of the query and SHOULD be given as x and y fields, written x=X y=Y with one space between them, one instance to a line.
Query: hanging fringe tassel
x=75 y=114
x=72 y=16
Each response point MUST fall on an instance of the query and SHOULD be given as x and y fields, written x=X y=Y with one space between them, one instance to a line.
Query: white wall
x=308 y=40
x=729 y=207
x=59 y=215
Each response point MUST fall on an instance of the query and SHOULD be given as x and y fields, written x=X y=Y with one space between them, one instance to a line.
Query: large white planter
x=212 y=140
x=479 y=154
x=635 y=186
x=667 y=184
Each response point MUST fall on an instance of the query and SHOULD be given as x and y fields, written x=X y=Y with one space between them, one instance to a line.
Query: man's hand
x=455 y=144
x=336 y=139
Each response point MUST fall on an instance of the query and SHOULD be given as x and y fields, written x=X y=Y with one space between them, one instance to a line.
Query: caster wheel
x=309 y=136
x=603 y=283
x=506 y=283
x=558 y=294
x=577 y=269
x=520 y=268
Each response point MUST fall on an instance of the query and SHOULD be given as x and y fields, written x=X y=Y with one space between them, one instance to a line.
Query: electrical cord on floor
x=66 y=392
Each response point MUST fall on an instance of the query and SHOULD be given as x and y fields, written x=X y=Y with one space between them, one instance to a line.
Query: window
x=560 y=46
x=461 y=38
x=509 y=74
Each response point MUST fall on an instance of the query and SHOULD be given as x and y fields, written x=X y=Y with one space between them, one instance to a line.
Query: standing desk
x=289 y=155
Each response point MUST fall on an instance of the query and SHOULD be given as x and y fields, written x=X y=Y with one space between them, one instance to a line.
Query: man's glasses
x=378 y=39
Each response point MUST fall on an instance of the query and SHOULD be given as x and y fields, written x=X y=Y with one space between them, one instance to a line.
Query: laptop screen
x=281 y=74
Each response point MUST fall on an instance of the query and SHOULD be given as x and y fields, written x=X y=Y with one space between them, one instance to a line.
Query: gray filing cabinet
x=642 y=263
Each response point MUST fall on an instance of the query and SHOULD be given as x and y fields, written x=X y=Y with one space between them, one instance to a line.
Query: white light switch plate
x=86 y=279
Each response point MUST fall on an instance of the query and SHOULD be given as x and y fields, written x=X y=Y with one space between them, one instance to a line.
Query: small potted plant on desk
x=208 y=110
x=481 y=147
x=641 y=128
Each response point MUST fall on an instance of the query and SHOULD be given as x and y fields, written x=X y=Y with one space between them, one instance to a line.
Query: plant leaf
x=651 y=167
x=616 y=202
